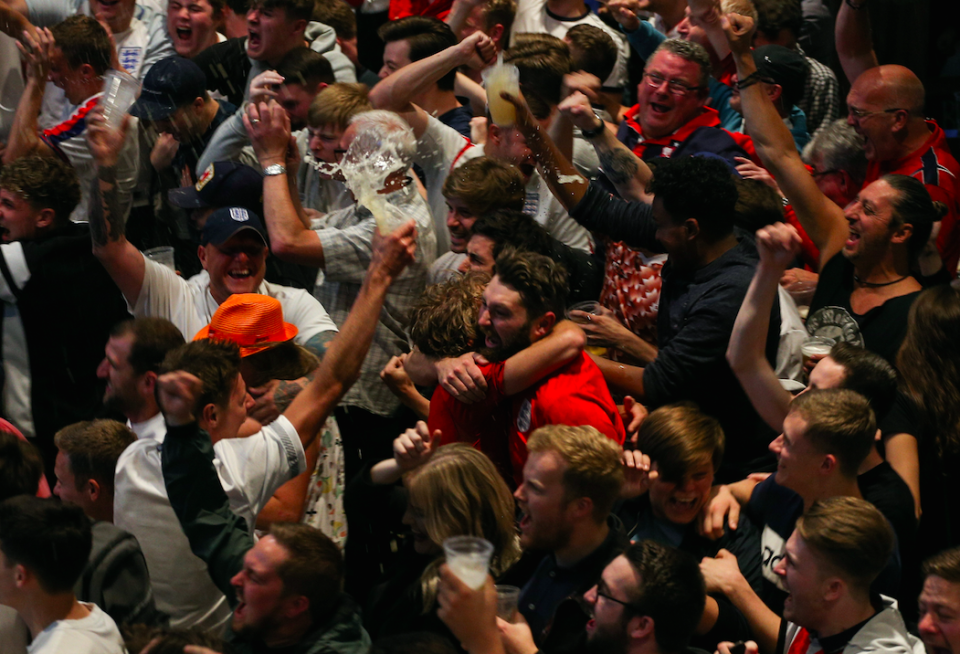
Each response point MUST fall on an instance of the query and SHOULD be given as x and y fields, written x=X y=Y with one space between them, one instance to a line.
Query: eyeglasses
x=860 y=114
x=604 y=592
x=675 y=86
x=823 y=173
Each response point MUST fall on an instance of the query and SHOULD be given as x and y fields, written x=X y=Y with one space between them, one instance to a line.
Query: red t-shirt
x=403 y=8
x=574 y=395
x=934 y=165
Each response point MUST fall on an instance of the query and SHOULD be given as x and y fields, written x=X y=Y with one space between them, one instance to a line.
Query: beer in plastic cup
x=468 y=557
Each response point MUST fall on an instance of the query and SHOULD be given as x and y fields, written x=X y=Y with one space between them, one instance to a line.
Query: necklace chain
x=877 y=284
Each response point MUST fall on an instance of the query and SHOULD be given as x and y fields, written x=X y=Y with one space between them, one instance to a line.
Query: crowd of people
x=290 y=299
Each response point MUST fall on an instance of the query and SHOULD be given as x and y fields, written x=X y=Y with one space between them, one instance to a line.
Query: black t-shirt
x=458 y=119
x=879 y=330
x=226 y=67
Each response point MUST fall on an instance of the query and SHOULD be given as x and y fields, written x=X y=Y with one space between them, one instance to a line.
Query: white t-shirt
x=188 y=304
x=534 y=17
x=95 y=634
x=442 y=148
x=11 y=84
x=250 y=469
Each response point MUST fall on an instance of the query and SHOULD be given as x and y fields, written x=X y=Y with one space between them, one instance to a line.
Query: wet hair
x=21 y=466
x=443 y=321
x=839 y=147
x=697 y=187
x=383 y=123
x=485 y=184
x=93 y=448
x=540 y=281
x=337 y=104
x=757 y=206
x=838 y=422
x=152 y=339
x=671 y=591
x=44 y=183
x=293 y=9
x=216 y=363
x=313 y=567
x=509 y=228
x=593 y=467
x=945 y=565
x=305 y=67
x=338 y=15
x=913 y=206
x=592 y=51
x=867 y=373
x=690 y=51
x=426 y=36
x=776 y=15
x=49 y=538
x=460 y=493
x=543 y=60
x=678 y=437
x=82 y=40
x=929 y=363
x=851 y=536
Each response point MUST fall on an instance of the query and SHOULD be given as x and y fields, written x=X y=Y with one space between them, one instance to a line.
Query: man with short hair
x=939 y=602
x=831 y=560
x=492 y=17
x=340 y=16
x=54 y=291
x=646 y=601
x=417 y=37
x=116 y=577
x=44 y=546
x=286 y=588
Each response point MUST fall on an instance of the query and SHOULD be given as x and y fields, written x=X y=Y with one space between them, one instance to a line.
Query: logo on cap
x=204 y=178
x=239 y=215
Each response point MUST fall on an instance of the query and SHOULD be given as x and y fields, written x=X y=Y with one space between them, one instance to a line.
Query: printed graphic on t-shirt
x=835 y=323
x=130 y=59
x=772 y=550
x=523 y=417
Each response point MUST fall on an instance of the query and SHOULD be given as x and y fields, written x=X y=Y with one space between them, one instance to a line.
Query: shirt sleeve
x=159 y=44
x=15 y=271
x=227 y=142
x=47 y=13
x=165 y=294
x=253 y=468
x=347 y=252
x=305 y=311
x=630 y=222
x=645 y=39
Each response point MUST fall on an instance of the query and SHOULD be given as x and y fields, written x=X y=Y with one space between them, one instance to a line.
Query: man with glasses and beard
x=647 y=601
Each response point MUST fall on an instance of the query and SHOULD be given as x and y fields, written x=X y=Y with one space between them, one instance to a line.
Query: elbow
x=283 y=248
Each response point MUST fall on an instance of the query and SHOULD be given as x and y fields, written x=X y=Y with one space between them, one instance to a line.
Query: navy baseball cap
x=786 y=68
x=228 y=221
x=222 y=184
x=170 y=83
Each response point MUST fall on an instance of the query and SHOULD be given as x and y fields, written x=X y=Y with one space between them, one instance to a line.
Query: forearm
x=746 y=352
x=413 y=400
x=764 y=623
x=12 y=22
x=561 y=133
x=625 y=170
x=634 y=346
x=465 y=87
x=396 y=92
x=290 y=239
x=457 y=17
x=742 y=490
x=532 y=364
x=854 y=40
x=625 y=379
x=123 y=262
x=24 y=133
x=565 y=182
x=386 y=472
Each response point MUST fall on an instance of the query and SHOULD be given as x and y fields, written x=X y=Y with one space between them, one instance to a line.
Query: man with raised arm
x=233 y=254
x=886 y=106
x=866 y=250
x=286 y=588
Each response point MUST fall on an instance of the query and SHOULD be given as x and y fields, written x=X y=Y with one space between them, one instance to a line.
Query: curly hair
x=443 y=322
x=697 y=187
x=44 y=183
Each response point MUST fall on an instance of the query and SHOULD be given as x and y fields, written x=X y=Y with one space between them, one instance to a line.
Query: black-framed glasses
x=675 y=86
x=604 y=592
x=860 y=114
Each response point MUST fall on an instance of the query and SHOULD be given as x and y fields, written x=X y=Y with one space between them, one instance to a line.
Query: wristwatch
x=274 y=169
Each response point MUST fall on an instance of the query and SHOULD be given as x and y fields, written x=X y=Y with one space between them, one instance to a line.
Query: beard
x=608 y=640
x=506 y=349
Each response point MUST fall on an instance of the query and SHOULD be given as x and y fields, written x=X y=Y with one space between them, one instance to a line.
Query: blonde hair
x=593 y=463
x=338 y=104
x=460 y=493
x=742 y=7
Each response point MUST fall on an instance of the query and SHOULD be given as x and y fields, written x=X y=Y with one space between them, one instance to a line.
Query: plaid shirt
x=347 y=239
x=821 y=97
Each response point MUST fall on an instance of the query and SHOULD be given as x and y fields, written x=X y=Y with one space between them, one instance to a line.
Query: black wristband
x=596 y=131
x=749 y=80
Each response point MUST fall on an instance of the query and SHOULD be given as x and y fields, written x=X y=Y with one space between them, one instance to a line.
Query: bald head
x=892 y=87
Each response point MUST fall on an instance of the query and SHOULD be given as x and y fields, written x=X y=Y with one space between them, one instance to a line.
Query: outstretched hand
x=638 y=472
x=778 y=244
x=268 y=125
x=578 y=109
x=526 y=123
x=739 y=30
x=177 y=393
x=395 y=251
x=414 y=447
x=478 y=50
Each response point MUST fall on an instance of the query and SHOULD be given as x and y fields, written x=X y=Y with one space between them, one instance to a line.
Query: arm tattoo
x=619 y=165
x=318 y=344
x=107 y=220
x=287 y=390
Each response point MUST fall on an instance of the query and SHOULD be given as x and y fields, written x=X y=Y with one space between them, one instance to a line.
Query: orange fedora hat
x=252 y=321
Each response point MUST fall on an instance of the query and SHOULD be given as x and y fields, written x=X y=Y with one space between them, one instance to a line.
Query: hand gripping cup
x=468 y=557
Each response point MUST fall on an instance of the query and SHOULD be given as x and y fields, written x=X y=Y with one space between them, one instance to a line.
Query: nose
x=237 y=580
x=927 y=625
x=591 y=595
x=484 y=320
x=253 y=15
x=780 y=568
x=464 y=266
x=384 y=72
x=103 y=369
x=314 y=142
x=521 y=493
x=183 y=12
x=248 y=402
x=776 y=444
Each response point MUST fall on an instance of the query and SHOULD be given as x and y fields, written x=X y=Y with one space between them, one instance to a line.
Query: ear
x=496 y=33
x=692 y=227
x=147 y=383
x=300 y=26
x=320 y=87
x=903 y=234
x=21 y=576
x=829 y=463
x=202 y=255
x=846 y=182
x=833 y=589
x=494 y=133
x=774 y=91
x=901 y=118
x=640 y=627
x=295 y=606
x=582 y=507
x=87 y=72
x=198 y=104
x=208 y=417
x=46 y=218
x=543 y=325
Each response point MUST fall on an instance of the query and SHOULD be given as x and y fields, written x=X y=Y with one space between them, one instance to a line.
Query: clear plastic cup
x=162 y=255
x=507 y=599
x=120 y=91
x=816 y=347
x=468 y=557
x=498 y=78
x=593 y=308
